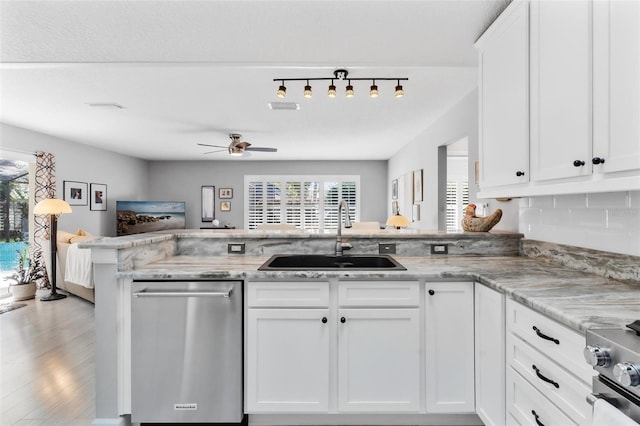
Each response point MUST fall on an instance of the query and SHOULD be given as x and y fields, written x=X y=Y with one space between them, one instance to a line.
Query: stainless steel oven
x=615 y=355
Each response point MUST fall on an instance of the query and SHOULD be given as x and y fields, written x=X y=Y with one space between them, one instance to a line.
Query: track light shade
x=332 y=91
x=349 y=91
x=399 y=91
x=373 y=92
x=282 y=92
x=307 y=91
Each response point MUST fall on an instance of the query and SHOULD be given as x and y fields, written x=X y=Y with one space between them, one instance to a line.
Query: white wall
x=601 y=221
x=125 y=177
x=422 y=153
x=181 y=181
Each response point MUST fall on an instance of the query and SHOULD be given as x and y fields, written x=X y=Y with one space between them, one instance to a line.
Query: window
x=309 y=202
x=457 y=198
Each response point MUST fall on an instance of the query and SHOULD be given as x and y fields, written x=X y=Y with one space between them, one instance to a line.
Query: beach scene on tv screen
x=135 y=217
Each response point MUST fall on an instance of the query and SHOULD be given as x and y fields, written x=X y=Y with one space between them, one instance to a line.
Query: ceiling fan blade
x=215 y=146
x=260 y=149
x=217 y=150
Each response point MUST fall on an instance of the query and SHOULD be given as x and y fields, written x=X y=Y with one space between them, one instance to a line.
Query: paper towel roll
x=605 y=414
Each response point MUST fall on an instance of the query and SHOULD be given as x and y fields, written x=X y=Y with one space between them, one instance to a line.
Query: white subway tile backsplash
x=616 y=200
x=634 y=200
x=589 y=218
x=607 y=221
x=558 y=217
x=541 y=202
x=523 y=202
x=571 y=201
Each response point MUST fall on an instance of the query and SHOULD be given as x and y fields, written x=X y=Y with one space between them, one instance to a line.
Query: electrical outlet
x=386 y=248
x=235 y=248
x=439 y=248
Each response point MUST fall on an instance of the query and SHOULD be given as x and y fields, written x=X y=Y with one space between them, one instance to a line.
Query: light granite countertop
x=577 y=299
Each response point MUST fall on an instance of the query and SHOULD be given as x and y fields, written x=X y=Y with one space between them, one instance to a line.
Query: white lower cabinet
x=490 y=355
x=449 y=347
x=289 y=359
x=379 y=360
x=547 y=379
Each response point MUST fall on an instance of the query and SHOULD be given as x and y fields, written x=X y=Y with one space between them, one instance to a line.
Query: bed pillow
x=64 y=237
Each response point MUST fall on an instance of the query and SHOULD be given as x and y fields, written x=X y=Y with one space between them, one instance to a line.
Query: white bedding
x=78 y=267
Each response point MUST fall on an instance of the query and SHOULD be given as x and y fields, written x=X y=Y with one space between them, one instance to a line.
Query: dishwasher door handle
x=143 y=293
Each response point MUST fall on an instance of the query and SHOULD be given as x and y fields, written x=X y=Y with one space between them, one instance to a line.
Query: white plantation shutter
x=457 y=198
x=310 y=203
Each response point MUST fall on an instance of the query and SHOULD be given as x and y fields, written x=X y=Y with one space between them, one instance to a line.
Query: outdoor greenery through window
x=309 y=202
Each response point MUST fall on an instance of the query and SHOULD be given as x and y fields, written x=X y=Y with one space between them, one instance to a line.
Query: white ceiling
x=191 y=72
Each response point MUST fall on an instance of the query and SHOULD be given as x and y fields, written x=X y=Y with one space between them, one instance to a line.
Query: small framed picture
x=225 y=193
x=415 y=213
x=225 y=206
x=394 y=189
x=75 y=193
x=395 y=208
x=98 y=197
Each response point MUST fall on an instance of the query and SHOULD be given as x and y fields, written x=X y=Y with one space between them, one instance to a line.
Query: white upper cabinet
x=504 y=98
x=560 y=89
x=616 y=79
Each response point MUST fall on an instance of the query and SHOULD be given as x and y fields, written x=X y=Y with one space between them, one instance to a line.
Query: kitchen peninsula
x=575 y=299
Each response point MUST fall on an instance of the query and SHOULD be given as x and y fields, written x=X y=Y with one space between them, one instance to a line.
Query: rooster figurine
x=474 y=223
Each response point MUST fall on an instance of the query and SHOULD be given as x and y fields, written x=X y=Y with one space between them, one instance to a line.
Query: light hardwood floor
x=47 y=364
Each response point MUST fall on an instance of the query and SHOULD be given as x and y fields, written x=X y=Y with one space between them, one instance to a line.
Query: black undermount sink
x=320 y=262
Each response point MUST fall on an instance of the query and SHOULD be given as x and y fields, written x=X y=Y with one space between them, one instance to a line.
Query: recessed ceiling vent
x=105 y=105
x=284 y=106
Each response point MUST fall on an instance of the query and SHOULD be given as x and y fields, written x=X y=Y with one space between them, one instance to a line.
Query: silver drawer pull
x=225 y=294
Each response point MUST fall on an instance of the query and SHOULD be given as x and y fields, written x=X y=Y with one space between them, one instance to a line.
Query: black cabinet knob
x=343 y=320
x=578 y=163
x=324 y=320
x=431 y=292
x=519 y=173
x=597 y=160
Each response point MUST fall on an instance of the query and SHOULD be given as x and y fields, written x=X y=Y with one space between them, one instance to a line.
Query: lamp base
x=53 y=296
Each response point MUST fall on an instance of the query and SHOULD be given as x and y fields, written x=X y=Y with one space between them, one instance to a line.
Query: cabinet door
x=378 y=360
x=560 y=89
x=616 y=79
x=490 y=355
x=287 y=360
x=449 y=347
x=504 y=99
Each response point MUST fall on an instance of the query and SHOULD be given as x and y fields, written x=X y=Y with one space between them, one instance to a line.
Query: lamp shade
x=397 y=221
x=52 y=206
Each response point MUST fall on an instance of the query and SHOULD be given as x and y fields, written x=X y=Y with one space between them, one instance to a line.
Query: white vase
x=23 y=291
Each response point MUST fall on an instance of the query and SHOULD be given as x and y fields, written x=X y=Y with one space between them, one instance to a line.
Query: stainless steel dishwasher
x=186 y=352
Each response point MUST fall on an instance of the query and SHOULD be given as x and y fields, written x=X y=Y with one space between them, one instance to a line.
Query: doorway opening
x=453 y=184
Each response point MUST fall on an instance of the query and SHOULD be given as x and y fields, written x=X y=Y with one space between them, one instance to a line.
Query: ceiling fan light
x=332 y=91
x=282 y=92
x=399 y=91
x=236 y=152
x=349 y=92
x=373 y=92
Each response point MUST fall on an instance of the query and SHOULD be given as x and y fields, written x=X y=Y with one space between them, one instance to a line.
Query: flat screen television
x=135 y=217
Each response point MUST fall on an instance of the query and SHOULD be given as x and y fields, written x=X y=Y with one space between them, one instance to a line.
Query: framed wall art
x=98 y=197
x=225 y=206
x=225 y=193
x=75 y=193
x=208 y=202
x=394 y=189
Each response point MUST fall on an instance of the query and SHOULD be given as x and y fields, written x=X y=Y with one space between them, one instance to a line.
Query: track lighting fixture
x=307 y=90
x=332 y=90
x=373 y=91
x=282 y=91
x=340 y=74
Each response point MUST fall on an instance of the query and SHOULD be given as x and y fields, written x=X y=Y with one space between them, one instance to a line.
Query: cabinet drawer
x=288 y=294
x=565 y=348
x=568 y=393
x=527 y=406
x=379 y=293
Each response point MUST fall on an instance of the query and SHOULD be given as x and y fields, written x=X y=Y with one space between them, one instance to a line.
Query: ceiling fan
x=238 y=147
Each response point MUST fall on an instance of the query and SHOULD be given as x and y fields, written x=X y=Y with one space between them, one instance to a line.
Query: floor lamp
x=54 y=208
